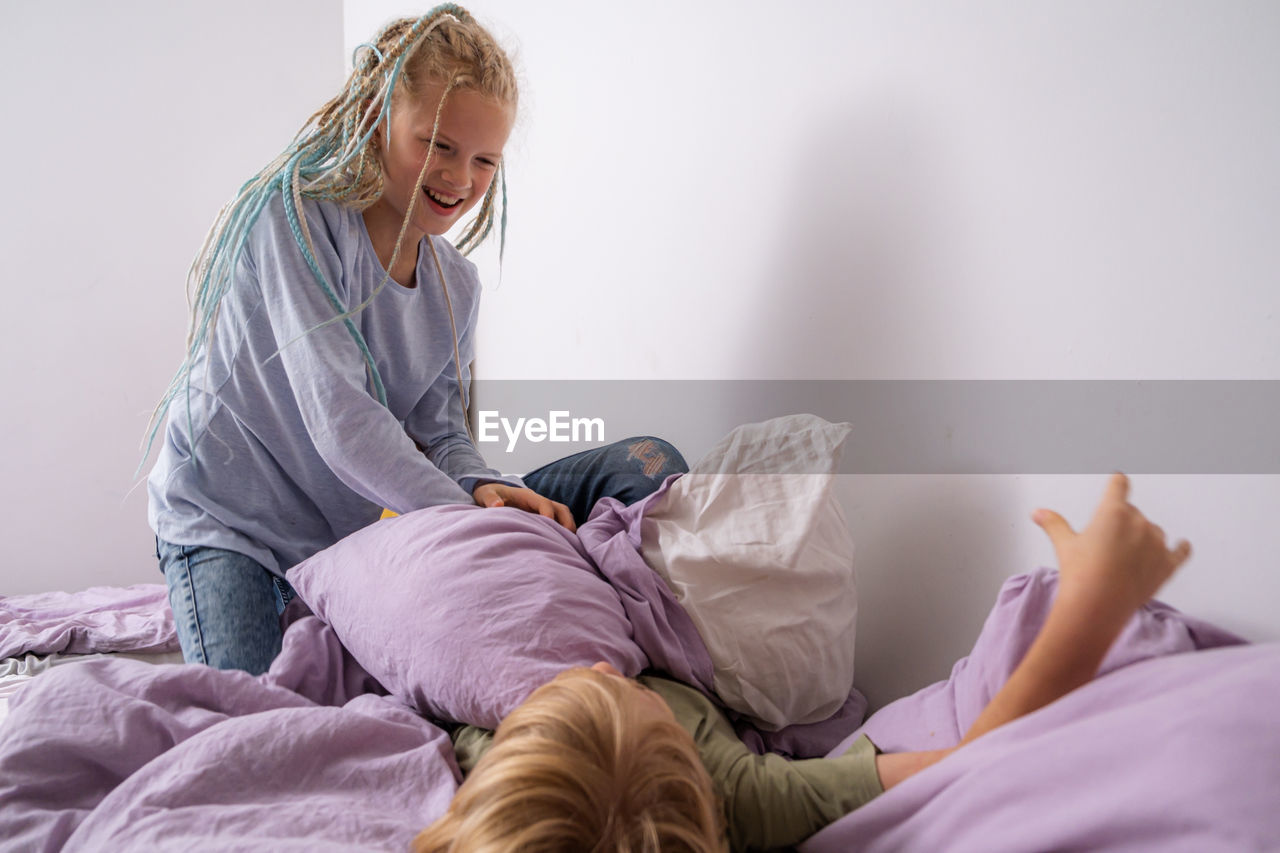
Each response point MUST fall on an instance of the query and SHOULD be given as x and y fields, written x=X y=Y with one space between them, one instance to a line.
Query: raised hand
x=1105 y=573
x=1119 y=560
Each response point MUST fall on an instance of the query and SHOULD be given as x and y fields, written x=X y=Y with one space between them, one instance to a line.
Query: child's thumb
x=1054 y=525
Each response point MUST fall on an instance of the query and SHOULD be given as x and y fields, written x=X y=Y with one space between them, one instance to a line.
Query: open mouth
x=441 y=202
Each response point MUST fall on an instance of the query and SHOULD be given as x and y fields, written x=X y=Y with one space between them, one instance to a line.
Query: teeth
x=447 y=201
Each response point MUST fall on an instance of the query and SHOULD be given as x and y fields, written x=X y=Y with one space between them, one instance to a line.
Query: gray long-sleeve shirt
x=294 y=452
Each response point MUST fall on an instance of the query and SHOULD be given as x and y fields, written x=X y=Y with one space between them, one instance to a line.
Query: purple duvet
x=123 y=755
x=1175 y=747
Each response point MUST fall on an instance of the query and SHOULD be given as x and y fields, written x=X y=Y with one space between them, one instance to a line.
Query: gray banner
x=907 y=427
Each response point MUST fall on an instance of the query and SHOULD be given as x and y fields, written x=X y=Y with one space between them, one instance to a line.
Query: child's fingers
x=1117 y=490
x=488 y=496
x=1180 y=553
x=1054 y=526
x=558 y=513
x=565 y=517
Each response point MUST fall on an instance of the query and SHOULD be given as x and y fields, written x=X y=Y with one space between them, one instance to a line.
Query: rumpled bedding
x=671 y=641
x=462 y=612
x=123 y=755
x=100 y=619
x=1173 y=747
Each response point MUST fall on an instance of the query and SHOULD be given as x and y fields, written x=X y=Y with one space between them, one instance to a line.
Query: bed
x=342 y=745
x=1174 y=747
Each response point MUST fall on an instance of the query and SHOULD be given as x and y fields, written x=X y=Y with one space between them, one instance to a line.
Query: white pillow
x=755 y=546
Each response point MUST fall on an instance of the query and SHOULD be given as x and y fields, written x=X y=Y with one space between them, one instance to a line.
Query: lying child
x=594 y=761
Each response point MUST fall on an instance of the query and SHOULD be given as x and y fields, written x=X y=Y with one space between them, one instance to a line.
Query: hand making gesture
x=1119 y=561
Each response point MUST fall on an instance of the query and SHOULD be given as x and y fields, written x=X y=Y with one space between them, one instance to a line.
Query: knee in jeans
x=658 y=458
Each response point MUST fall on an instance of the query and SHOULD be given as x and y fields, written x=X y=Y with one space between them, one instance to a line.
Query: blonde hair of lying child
x=590 y=761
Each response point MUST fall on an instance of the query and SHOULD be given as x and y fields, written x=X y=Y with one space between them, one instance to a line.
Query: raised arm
x=1106 y=572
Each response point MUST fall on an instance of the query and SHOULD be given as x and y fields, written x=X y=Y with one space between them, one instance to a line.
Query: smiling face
x=469 y=142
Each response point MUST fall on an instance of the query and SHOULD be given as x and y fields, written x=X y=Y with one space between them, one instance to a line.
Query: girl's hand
x=500 y=494
x=1119 y=560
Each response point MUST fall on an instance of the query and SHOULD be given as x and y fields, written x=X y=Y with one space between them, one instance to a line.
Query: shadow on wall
x=858 y=286
x=863 y=287
x=930 y=553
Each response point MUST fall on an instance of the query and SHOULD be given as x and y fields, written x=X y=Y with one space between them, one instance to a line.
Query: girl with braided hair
x=332 y=327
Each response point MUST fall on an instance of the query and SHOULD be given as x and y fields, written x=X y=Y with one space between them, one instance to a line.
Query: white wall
x=898 y=190
x=127 y=125
x=908 y=189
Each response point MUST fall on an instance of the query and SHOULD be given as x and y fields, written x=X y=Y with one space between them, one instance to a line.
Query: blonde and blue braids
x=332 y=158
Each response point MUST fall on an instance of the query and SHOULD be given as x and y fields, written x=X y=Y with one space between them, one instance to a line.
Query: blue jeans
x=227 y=606
x=628 y=470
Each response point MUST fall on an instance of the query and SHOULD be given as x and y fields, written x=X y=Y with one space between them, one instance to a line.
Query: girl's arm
x=438 y=425
x=438 y=421
x=1106 y=572
x=306 y=356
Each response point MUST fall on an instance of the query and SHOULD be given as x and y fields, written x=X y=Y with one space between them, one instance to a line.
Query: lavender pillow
x=461 y=612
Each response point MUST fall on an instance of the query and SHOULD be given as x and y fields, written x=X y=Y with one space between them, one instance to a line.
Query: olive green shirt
x=769 y=802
